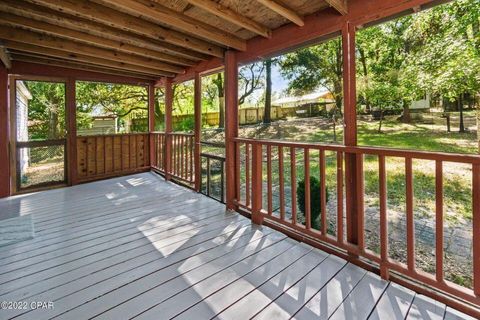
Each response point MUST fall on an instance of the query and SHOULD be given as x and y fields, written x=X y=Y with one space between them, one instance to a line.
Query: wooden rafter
x=39 y=59
x=231 y=16
x=77 y=36
x=105 y=15
x=5 y=57
x=156 y=12
x=282 y=10
x=339 y=5
x=64 y=21
x=37 y=39
x=32 y=49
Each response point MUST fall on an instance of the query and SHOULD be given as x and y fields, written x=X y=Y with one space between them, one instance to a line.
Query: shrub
x=315 y=200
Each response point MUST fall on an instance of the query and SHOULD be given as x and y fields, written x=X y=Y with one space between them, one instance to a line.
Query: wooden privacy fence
x=254 y=175
x=174 y=156
x=102 y=156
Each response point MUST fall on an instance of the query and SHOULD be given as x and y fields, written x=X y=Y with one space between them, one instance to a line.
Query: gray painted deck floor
x=138 y=247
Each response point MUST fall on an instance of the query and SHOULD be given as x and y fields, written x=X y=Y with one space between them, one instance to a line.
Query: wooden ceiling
x=143 y=38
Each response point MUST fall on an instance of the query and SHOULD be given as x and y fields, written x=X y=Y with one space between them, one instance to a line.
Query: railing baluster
x=293 y=178
x=247 y=174
x=192 y=158
x=476 y=227
x=439 y=220
x=382 y=181
x=339 y=196
x=269 y=179
x=257 y=183
x=182 y=156
x=306 y=157
x=323 y=191
x=222 y=181
x=208 y=176
x=410 y=217
x=281 y=182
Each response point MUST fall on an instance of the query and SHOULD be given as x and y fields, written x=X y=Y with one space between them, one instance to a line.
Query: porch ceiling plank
x=25 y=47
x=37 y=39
x=231 y=16
x=123 y=21
x=283 y=11
x=39 y=59
x=77 y=36
x=38 y=13
x=5 y=57
x=339 y=5
x=156 y=12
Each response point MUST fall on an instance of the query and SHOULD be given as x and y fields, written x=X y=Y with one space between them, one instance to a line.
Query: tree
x=250 y=79
x=221 y=98
x=46 y=110
x=315 y=67
x=123 y=101
x=445 y=57
x=267 y=116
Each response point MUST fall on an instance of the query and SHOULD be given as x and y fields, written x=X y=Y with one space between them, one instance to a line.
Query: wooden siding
x=108 y=155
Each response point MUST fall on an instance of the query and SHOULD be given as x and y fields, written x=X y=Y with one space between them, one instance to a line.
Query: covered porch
x=108 y=250
x=134 y=218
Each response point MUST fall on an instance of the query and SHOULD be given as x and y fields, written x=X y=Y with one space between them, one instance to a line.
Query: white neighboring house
x=420 y=105
x=23 y=95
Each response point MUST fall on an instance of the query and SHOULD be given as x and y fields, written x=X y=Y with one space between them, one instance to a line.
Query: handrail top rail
x=173 y=133
x=112 y=135
x=380 y=151
x=212 y=156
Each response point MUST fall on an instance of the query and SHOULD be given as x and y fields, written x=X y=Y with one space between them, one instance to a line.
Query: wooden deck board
x=140 y=247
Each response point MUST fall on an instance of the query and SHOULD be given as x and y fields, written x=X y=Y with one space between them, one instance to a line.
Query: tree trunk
x=53 y=125
x=406 y=117
x=363 y=61
x=460 y=108
x=267 y=116
x=221 y=105
x=478 y=126
x=381 y=121
x=221 y=100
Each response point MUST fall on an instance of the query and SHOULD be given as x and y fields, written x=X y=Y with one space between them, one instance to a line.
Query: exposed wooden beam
x=156 y=12
x=339 y=5
x=28 y=48
x=37 y=39
x=5 y=57
x=33 y=58
x=282 y=10
x=123 y=21
x=64 y=21
x=77 y=36
x=231 y=16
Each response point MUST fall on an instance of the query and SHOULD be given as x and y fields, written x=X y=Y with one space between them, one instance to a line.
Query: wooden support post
x=151 y=123
x=71 y=131
x=476 y=227
x=4 y=135
x=198 y=128
x=231 y=127
x=257 y=183
x=168 y=128
x=353 y=162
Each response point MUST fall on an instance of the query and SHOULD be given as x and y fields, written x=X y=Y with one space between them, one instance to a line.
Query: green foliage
x=315 y=200
x=46 y=110
x=185 y=125
x=126 y=102
x=319 y=66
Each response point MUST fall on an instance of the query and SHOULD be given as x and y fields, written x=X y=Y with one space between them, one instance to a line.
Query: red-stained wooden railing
x=174 y=156
x=257 y=154
x=103 y=156
x=159 y=140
